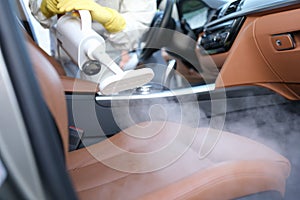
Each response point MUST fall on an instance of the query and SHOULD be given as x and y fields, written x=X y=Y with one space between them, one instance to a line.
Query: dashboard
x=254 y=42
x=225 y=23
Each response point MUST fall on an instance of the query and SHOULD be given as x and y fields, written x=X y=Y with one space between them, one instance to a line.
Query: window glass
x=195 y=13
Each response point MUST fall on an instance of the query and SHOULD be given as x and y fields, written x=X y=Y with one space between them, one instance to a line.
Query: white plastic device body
x=82 y=44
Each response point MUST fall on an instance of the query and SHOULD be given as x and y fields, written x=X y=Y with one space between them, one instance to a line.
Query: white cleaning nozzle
x=122 y=80
x=126 y=80
x=83 y=45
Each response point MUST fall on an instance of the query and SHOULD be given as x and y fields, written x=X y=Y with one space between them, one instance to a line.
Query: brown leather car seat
x=236 y=166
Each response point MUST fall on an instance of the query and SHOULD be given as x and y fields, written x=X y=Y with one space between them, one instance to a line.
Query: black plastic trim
x=219 y=38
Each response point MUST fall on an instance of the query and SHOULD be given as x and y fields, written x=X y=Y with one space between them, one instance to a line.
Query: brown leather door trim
x=245 y=63
x=253 y=60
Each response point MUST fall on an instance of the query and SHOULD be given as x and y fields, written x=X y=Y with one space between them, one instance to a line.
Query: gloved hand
x=49 y=8
x=109 y=18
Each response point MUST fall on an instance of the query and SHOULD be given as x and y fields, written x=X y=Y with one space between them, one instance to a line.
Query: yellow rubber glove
x=49 y=8
x=109 y=18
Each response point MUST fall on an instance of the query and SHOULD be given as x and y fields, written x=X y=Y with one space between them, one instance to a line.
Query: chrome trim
x=255 y=9
x=164 y=94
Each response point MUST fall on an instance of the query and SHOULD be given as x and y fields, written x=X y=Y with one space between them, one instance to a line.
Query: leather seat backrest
x=51 y=87
x=55 y=64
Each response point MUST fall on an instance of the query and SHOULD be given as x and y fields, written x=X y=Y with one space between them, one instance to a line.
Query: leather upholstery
x=56 y=65
x=52 y=90
x=73 y=85
x=237 y=166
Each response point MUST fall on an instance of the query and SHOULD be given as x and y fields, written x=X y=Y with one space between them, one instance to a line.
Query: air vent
x=215 y=15
x=232 y=7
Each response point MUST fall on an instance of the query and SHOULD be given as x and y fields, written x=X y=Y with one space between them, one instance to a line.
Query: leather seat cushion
x=103 y=171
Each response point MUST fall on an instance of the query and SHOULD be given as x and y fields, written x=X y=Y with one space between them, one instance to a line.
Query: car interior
x=220 y=119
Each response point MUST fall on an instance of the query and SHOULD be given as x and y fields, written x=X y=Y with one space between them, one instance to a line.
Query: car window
x=195 y=13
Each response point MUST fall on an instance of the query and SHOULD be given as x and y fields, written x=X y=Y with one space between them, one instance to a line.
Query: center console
x=219 y=38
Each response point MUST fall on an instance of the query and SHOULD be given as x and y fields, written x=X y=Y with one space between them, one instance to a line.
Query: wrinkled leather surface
x=237 y=166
